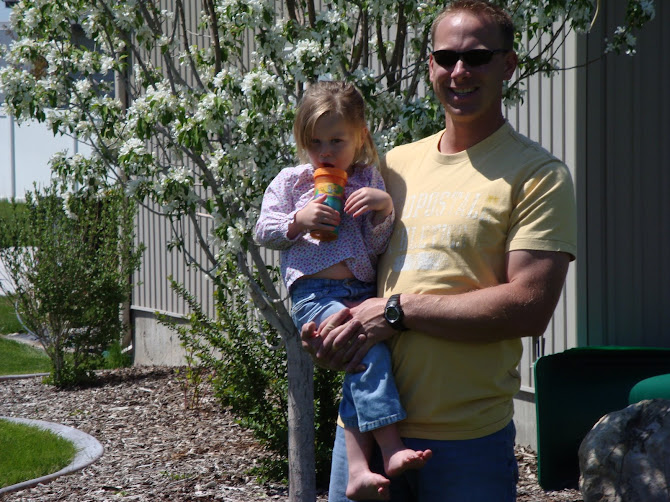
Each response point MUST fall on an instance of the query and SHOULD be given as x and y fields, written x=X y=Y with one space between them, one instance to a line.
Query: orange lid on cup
x=333 y=172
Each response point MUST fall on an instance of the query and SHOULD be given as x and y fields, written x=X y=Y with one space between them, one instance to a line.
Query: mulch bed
x=155 y=449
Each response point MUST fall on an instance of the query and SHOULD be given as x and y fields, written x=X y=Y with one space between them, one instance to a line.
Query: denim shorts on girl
x=370 y=398
x=317 y=299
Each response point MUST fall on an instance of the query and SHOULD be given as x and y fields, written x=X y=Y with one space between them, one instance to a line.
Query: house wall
x=625 y=189
x=615 y=127
x=153 y=342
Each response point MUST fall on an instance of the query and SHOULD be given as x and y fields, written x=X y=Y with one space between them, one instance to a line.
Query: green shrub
x=9 y=210
x=248 y=362
x=70 y=257
x=114 y=357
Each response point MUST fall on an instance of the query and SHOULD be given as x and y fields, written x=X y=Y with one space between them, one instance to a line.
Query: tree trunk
x=301 y=457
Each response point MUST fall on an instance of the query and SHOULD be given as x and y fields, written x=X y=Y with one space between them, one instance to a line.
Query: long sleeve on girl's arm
x=377 y=236
x=277 y=211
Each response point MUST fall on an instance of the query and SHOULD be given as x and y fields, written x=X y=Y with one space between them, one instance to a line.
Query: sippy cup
x=330 y=181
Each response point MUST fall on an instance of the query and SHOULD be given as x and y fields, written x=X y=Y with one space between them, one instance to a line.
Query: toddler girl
x=323 y=277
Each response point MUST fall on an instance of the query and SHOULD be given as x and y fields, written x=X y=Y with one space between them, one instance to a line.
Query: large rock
x=626 y=456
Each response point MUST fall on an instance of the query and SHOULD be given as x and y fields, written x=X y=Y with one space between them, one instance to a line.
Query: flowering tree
x=191 y=109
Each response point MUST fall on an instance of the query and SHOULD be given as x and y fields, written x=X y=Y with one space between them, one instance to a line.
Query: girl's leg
x=371 y=399
x=315 y=301
x=398 y=457
x=363 y=484
x=372 y=393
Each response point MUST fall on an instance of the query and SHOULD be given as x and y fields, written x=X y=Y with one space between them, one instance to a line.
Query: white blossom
x=177 y=174
x=331 y=16
x=68 y=210
x=630 y=43
x=648 y=8
x=32 y=17
x=133 y=145
x=83 y=86
x=106 y=64
x=258 y=81
x=306 y=50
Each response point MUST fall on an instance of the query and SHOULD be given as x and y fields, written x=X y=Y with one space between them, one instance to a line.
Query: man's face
x=470 y=93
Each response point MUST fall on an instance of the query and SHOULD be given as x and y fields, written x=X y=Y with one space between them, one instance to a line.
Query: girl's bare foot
x=402 y=460
x=367 y=485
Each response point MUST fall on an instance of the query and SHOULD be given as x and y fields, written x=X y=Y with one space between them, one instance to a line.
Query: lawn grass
x=29 y=452
x=8 y=321
x=21 y=359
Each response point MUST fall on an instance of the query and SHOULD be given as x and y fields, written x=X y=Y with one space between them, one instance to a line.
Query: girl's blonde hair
x=333 y=97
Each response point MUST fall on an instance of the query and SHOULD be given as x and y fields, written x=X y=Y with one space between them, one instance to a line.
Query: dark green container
x=573 y=390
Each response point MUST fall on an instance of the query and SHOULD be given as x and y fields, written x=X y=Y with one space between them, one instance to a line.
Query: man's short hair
x=480 y=8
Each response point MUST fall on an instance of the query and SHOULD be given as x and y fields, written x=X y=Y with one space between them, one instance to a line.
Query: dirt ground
x=155 y=450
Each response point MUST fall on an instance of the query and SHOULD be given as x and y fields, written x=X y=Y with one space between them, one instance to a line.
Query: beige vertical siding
x=547 y=115
x=152 y=290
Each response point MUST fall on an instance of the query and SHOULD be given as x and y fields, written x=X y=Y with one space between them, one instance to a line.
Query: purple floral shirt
x=358 y=244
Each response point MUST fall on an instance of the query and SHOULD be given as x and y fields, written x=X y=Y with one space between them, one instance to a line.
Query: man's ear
x=511 y=62
x=431 y=62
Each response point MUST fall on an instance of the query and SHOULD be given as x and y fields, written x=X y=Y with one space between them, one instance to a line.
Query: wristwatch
x=393 y=313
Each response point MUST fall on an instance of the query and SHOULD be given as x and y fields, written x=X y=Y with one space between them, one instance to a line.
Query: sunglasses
x=474 y=57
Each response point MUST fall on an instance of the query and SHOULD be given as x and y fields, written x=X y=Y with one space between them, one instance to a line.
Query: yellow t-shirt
x=456 y=217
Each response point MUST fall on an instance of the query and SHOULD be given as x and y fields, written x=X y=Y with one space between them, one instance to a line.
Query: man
x=485 y=230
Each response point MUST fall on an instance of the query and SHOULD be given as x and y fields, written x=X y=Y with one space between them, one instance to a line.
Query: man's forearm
x=521 y=307
x=485 y=315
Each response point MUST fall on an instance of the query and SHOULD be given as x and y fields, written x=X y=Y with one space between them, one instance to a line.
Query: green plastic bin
x=573 y=390
x=656 y=387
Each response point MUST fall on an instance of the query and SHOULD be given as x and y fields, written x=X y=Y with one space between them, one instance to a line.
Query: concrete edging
x=20 y=377
x=88 y=448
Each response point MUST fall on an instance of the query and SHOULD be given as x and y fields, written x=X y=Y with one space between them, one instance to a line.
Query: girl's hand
x=368 y=199
x=316 y=216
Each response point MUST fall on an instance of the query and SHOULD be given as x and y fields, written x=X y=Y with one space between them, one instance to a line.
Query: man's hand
x=329 y=350
x=336 y=344
x=343 y=339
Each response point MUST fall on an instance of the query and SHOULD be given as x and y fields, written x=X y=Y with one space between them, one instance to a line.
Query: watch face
x=392 y=314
